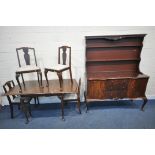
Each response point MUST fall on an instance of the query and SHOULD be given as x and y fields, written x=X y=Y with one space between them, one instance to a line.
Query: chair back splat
x=26 y=54
x=7 y=87
x=64 y=54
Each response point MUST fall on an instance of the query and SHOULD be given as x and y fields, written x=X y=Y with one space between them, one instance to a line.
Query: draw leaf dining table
x=32 y=89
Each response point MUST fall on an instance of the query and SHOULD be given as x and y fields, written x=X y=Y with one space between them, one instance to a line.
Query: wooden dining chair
x=27 y=64
x=74 y=96
x=64 y=63
x=16 y=100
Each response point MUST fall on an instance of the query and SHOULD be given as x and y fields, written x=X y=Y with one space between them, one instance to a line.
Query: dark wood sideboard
x=112 y=68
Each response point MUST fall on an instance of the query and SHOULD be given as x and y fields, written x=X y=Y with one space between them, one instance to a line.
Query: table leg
x=62 y=108
x=25 y=109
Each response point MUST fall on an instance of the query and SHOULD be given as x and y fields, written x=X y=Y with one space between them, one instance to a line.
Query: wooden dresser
x=112 y=68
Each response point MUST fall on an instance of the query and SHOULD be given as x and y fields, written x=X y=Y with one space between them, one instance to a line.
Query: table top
x=32 y=88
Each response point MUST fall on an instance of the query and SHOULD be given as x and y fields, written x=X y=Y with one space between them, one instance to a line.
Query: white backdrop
x=46 y=41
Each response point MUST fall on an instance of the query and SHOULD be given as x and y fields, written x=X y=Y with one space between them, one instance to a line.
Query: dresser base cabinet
x=112 y=67
x=116 y=88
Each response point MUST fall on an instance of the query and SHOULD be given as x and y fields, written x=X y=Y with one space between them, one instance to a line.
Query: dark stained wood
x=114 y=41
x=112 y=66
x=111 y=54
x=126 y=65
x=31 y=89
x=112 y=74
x=26 y=56
x=64 y=54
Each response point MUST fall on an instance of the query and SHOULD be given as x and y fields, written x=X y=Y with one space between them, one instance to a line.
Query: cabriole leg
x=17 y=79
x=45 y=72
x=144 y=103
x=25 y=110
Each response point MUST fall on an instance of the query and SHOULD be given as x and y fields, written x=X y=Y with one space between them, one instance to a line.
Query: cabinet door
x=96 y=89
x=137 y=87
x=116 y=84
x=116 y=88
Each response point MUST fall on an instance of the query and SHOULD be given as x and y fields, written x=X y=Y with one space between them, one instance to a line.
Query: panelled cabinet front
x=112 y=67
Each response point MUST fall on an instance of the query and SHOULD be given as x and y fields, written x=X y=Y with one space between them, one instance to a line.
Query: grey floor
x=101 y=115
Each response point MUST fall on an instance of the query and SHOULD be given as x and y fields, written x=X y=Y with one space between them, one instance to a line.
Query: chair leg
x=41 y=78
x=23 y=80
x=45 y=72
x=60 y=79
x=40 y=73
x=70 y=72
x=30 y=110
x=38 y=78
x=35 y=100
x=17 y=79
x=38 y=100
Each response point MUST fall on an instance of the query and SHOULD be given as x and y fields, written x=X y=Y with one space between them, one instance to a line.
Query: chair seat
x=17 y=99
x=70 y=97
x=28 y=68
x=58 y=67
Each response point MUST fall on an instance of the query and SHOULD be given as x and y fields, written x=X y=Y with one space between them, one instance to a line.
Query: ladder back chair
x=64 y=63
x=16 y=100
x=27 y=64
